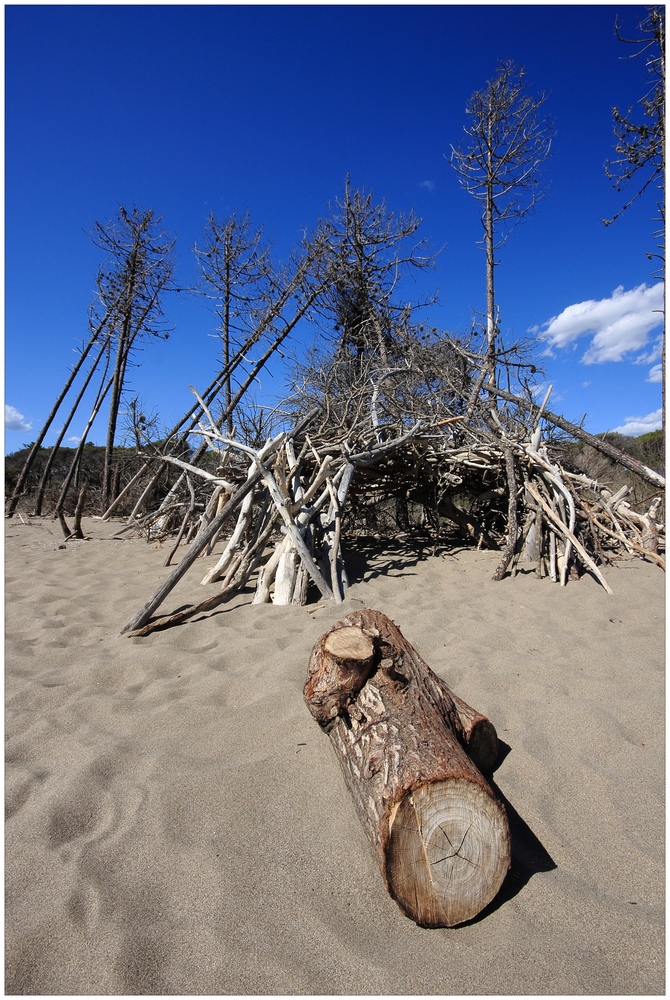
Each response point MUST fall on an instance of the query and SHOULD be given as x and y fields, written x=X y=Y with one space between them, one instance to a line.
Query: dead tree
x=508 y=140
x=131 y=286
x=99 y=335
x=409 y=750
x=46 y=473
x=237 y=272
x=101 y=395
x=640 y=143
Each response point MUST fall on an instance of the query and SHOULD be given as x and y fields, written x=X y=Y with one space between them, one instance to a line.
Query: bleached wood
x=564 y=530
x=217 y=571
x=202 y=539
x=285 y=577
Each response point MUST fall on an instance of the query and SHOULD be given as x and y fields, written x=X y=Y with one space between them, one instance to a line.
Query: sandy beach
x=177 y=823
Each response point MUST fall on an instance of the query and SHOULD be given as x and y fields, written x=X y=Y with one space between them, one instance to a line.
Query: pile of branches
x=479 y=459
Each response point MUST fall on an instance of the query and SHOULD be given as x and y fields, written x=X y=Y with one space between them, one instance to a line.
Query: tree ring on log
x=349 y=645
x=440 y=866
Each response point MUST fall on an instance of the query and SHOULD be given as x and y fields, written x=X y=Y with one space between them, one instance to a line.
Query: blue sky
x=192 y=109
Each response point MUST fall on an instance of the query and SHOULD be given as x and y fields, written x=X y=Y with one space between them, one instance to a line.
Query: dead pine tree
x=236 y=274
x=640 y=139
x=136 y=275
x=508 y=139
x=99 y=335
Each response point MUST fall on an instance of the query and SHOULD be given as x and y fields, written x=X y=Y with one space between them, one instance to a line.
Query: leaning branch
x=201 y=540
x=643 y=471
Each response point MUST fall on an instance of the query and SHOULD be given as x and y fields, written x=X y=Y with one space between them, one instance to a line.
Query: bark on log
x=408 y=749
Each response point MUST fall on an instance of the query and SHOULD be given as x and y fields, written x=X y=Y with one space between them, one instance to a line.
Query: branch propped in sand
x=201 y=541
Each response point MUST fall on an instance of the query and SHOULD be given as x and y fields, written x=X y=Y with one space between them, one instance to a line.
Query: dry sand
x=178 y=824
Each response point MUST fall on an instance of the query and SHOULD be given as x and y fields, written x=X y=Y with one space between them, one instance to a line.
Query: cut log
x=408 y=749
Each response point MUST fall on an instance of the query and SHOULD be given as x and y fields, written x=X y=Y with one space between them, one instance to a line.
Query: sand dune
x=177 y=823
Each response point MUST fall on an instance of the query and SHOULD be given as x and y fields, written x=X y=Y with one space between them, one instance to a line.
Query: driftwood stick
x=578 y=432
x=552 y=474
x=512 y=524
x=196 y=547
x=294 y=532
x=179 y=616
x=659 y=560
x=565 y=531
x=202 y=473
x=201 y=540
x=236 y=579
x=217 y=571
x=553 y=575
x=268 y=572
x=145 y=493
x=199 y=544
x=335 y=547
x=650 y=534
x=189 y=511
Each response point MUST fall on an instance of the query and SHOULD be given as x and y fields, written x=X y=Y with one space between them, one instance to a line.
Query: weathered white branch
x=565 y=531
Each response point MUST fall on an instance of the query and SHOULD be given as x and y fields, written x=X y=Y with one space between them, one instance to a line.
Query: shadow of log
x=529 y=856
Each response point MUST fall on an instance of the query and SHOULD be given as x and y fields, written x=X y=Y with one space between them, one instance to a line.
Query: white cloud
x=15 y=421
x=618 y=325
x=635 y=426
x=427 y=185
x=655 y=374
x=74 y=439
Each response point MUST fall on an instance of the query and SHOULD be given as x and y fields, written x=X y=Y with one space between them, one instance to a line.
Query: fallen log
x=408 y=749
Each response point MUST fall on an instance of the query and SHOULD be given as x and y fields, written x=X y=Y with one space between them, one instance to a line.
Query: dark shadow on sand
x=368 y=557
x=529 y=857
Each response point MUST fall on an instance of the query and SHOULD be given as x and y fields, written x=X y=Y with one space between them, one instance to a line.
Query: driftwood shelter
x=284 y=506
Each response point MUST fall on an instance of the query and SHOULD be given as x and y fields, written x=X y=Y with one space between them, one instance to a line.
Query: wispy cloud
x=15 y=421
x=427 y=185
x=618 y=326
x=655 y=374
x=635 y=426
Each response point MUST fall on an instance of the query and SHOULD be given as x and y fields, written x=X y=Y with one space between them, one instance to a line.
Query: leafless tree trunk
x=32 y=454
x=139 y=270
x=39 y=498
x=507 y=142
x=236 y=269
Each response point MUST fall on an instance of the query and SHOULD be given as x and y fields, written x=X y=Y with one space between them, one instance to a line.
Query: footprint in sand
x=100 y=804
x=19 y=788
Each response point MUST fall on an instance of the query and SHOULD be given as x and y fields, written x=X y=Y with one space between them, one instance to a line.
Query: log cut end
x=344 y=659
x=448 y=852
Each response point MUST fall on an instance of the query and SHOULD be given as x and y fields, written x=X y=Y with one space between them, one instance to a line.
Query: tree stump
x=410 y=751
